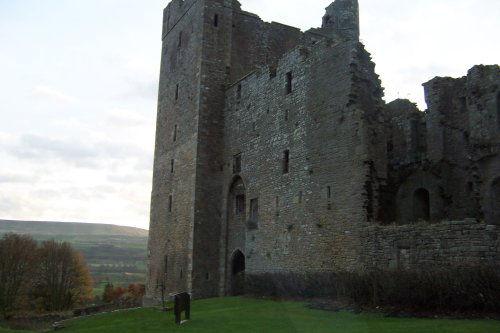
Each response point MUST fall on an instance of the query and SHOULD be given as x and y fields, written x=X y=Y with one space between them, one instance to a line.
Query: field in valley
x=114 y=254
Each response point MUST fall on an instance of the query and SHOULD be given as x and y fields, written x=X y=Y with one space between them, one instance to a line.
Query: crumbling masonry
x=275 y=152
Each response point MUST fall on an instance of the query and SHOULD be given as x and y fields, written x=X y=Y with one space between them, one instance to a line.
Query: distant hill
x=68 y=228
x=114 y=253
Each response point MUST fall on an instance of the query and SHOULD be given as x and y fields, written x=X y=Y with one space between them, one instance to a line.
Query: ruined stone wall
x=426 y=245
x=305 y=215
x=256 y=43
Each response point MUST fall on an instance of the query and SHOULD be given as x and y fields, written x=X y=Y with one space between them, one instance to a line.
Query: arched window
x=421 y=205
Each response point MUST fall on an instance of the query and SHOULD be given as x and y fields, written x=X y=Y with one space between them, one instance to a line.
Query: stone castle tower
x=275 y=152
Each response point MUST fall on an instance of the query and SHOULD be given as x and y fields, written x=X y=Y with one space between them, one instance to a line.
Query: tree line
x=50 y=276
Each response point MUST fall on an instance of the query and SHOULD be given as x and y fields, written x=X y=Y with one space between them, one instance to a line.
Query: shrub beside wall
x=457 y=289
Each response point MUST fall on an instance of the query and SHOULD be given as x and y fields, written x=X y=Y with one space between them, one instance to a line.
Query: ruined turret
x=342 y=19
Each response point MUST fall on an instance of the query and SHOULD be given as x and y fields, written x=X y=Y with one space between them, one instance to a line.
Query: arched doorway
x=421 y=205
x=237 y=273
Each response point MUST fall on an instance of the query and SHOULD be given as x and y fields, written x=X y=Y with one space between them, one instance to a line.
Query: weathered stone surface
x=275 y=152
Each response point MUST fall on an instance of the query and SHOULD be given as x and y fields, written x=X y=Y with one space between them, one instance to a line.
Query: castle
x=275 y=152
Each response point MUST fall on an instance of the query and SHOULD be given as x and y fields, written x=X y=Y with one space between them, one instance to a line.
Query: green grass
x=235 y=314
x=6 y=330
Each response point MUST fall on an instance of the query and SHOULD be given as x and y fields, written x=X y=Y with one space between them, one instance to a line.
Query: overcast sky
x=79 y=78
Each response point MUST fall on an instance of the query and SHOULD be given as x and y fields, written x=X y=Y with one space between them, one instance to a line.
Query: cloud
x=5 y=138
x=128 y=118
x=38 y=147
x=17 y=178
x=51 y=94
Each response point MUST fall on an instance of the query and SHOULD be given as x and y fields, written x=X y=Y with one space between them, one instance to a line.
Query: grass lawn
x=237 y=314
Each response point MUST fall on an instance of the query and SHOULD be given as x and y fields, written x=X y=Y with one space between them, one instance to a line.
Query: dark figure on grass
x=182 y=303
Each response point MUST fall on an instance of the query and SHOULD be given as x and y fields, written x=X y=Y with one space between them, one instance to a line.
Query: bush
x=124 y=297
x=456 y=289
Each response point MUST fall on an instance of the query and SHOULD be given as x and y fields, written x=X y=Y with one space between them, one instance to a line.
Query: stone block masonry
x=276 y=153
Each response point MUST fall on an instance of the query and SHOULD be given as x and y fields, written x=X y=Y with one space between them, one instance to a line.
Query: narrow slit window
x=277 y=205
x=170 y=203
x=300 y=197
x=216 y=20
x=238 y=91
x=240 y=204
x=237 y=163
x=254 y=210
x=498 y=110
x=174 y=137
x=289 y=83
x=286 y=161
x=172 y=162
x=165 y=266
x=176 y=91
x=180 y=39
x=286 y=114
x=328 y=192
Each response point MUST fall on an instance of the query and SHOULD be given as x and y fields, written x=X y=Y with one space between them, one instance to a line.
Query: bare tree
x=17 y=264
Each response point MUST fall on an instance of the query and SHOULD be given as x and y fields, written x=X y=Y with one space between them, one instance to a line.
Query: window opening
x=180 y=39
x=216 y=20
x=176 y=91
x=240 y=204
x=286 y=161
x=289 y=82
x=498 y=110
x=165 y=265
x=300 y=197
x=175 y=133
x=170 y=203
x=172 y=165
x=421 y=205
x=238 y=91
x=254 y=210
x=237 y=163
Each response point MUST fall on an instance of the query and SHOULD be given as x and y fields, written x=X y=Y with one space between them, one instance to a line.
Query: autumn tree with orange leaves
x=63 y=278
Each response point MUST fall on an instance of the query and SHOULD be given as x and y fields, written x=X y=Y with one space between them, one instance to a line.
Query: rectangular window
x=254 y=210
x=170 y=203
x=237 y=163
x=286 y=161
x=180 y=39
x=177 y=91
x=288 y=83
x=172 y=161
x=216 y=20
x=240 y=204
x=328 y=192
x=174 y=137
